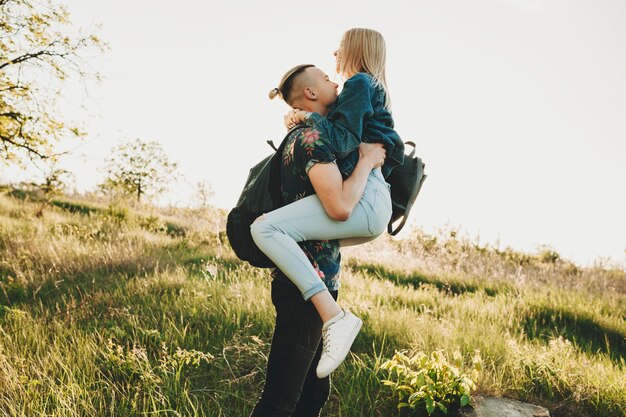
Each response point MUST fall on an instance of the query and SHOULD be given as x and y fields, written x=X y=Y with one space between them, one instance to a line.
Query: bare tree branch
x=8 y=141
x=13 y=87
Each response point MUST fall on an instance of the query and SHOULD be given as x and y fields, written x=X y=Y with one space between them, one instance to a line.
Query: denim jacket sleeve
x=359 y=115
x=348 y=118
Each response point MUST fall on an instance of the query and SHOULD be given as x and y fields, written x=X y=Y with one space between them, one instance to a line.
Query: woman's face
x=337 y=54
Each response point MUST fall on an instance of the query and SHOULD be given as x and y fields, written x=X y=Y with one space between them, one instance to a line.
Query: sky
x=517 y=106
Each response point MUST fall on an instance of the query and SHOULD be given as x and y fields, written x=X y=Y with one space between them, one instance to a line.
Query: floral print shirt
x=303 y=149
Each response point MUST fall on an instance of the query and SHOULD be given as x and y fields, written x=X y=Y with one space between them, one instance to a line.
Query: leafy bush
x=119 y=214
x=430 y=383
x=152 y=223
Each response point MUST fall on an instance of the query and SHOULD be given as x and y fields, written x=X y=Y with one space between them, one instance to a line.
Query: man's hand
x=339 y=197
x=373 y=153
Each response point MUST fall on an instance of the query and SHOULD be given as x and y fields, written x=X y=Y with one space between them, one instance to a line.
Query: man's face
x=326 y=90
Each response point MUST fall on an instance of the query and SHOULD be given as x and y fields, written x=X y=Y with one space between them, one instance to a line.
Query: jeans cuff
x=314 y=290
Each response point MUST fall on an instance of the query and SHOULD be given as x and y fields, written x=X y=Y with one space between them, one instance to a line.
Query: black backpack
x=260 y=195
x=406 y=182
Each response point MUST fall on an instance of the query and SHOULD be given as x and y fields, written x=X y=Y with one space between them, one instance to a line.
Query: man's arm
x=340 y=197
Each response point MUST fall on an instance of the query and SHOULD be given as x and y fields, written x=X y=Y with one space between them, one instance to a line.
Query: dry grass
x=114 y=310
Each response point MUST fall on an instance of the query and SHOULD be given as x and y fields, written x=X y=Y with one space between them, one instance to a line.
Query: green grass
x=137 y=311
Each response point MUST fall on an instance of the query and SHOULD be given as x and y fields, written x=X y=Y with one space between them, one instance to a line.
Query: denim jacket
x=359 y=114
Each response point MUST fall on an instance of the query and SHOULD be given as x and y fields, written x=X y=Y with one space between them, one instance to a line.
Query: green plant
x=135 y=370
x=430 y=383
x=151 y=223
x=119 y=214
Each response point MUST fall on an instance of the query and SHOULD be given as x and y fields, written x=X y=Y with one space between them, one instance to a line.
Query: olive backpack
x=260 y=195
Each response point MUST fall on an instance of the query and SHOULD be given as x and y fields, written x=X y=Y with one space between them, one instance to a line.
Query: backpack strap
x=273 y=146
x=276 y=163
x=300 y=126
x=271 y=143
x=391 y=230
x=416 y=185
x=411 y=143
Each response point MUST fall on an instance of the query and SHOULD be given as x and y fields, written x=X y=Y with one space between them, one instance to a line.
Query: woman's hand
x=295 y=117
x=374 y=153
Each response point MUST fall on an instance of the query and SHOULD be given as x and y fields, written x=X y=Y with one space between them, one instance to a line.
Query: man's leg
x=315 y=392
x=295 y=345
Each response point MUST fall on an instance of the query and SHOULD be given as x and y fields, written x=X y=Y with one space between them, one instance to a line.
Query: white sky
x=517 y=106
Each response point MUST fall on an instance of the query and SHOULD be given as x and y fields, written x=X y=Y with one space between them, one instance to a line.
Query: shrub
x=152 y=223
x=430 y=383
x=118 y=214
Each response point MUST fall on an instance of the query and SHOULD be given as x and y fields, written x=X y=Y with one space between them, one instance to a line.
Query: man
x=292 y=387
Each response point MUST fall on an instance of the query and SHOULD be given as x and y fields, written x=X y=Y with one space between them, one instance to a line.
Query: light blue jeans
x=276 y=233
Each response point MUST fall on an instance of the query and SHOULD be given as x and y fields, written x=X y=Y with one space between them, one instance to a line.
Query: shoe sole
x=343 y=355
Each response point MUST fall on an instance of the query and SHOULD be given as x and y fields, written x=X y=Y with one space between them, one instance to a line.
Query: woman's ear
x=310 y=94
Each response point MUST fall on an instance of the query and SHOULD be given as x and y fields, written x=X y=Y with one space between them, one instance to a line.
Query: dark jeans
x=291 y=387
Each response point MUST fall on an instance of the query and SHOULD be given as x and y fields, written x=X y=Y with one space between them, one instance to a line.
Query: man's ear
x=310 y=94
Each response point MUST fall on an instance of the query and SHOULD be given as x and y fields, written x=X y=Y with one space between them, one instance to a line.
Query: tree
x=204 y=194
x=37 y=55
x=138 y=168
x=56 y=181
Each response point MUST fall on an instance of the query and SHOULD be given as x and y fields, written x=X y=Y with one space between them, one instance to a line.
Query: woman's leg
x=354 y=241
x=277 y=233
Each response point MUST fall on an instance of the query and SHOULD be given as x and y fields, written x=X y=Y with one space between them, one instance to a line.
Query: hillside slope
x=118 y=311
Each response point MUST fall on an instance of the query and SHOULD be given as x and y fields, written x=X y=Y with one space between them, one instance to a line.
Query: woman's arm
x=348 y=118
x=339 y=197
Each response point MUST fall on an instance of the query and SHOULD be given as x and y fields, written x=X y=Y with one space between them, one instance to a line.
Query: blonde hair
x=287 y=82
x=364 y=50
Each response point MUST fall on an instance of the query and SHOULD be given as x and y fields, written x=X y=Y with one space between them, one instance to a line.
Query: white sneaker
x=338 y=334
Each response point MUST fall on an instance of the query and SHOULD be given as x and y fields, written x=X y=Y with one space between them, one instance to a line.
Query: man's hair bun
x=286 y=84
x=273 y=93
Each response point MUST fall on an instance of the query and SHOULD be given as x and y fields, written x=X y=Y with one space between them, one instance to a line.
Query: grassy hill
x=115 y=311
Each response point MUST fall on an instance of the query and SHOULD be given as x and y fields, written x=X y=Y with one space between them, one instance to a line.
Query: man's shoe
x=337 y=335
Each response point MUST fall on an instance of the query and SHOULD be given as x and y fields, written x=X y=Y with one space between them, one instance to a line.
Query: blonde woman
x=360 y=114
